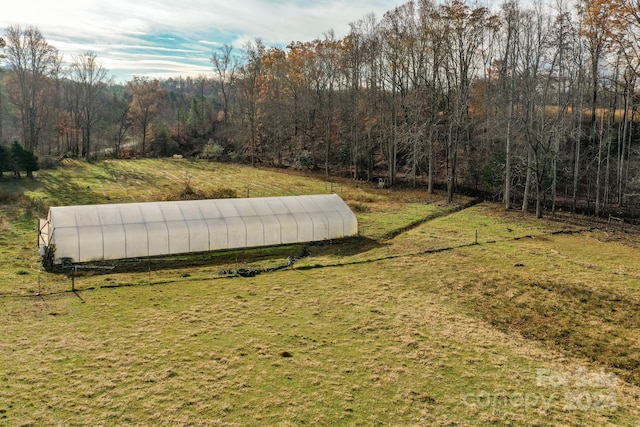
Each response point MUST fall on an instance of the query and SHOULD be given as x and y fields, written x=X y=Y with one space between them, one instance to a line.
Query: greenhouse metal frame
x=85 y=233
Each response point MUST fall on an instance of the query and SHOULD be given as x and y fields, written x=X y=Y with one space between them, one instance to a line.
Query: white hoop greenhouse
x=131 y=230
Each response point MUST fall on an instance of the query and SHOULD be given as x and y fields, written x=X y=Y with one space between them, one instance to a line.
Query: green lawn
x=412 y=323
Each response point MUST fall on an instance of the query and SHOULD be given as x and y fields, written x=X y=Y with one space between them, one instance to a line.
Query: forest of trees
x=534 y=104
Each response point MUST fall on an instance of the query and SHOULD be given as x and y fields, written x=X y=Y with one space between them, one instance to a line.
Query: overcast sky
x=163 y=38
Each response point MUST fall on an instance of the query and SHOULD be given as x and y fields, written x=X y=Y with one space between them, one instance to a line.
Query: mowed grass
x=116 y=181
x=416 y=322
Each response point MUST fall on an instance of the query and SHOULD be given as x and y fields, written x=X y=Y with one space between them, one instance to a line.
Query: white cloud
x=116 y=28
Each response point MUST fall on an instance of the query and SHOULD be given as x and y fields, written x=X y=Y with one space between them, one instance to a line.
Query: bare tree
x=372 y=46
x=465 y=28
x=507 y=69
x=73 y=117
x=225 y=66
x=32 y=60
x=122 y=120
x=90 y=78
x=393 y=85
x=274 y=118
x=562 y=46
x=324 y=82
x=353 y=47
x=249 y=86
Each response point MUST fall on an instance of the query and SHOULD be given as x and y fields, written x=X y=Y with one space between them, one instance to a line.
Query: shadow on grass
x=398 y=231
x=570 y=317
x=64 y=190
x=275 y=256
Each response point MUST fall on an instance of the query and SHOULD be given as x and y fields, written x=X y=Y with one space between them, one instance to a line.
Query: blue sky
x=164 y=38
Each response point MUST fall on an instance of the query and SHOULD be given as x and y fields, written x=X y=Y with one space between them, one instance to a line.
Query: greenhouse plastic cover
x=131 y=230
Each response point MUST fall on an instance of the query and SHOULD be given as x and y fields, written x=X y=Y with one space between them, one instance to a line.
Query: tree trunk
x=432 y=162
x=507 y=164
x=554 y=182
x=621 y=149
x=538 y=196
x=451 y=168
x=253 y=140
x=599 y=170
x=87 y=148
x=576 y=166
x=527 y=181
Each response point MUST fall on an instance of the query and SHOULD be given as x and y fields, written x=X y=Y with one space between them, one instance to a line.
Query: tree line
x=532 y=104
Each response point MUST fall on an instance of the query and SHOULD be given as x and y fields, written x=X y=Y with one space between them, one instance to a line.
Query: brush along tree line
x=527 y=103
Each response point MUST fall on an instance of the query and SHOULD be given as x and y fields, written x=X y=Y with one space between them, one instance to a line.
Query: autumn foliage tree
x=525 y=102
x=146 y=97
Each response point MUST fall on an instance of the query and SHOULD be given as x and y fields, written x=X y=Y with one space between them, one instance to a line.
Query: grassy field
x=450 y=315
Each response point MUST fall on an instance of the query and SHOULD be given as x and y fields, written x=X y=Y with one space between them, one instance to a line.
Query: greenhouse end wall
x=133 y=230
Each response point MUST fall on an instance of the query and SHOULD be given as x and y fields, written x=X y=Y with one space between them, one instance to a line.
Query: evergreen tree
x=24 y=160
x=5 y=161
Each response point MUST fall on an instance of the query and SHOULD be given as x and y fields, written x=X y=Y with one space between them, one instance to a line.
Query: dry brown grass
x=380 y=330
